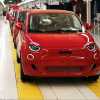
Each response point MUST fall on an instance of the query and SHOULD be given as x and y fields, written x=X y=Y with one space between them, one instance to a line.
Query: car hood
x=69 y=40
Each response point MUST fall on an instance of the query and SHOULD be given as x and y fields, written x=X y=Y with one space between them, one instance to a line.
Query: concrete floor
x=7 y=74
x=11 y=88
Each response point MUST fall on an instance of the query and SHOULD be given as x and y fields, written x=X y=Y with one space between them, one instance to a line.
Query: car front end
x=52 y=50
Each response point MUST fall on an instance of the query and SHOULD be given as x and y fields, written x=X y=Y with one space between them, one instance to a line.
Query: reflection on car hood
x=71 y=41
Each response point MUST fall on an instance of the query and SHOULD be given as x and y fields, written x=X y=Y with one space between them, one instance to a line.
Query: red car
x=10 y=14
x=19 y=14
x=54 y=43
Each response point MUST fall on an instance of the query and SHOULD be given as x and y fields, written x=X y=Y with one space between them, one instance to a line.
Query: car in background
x=18 y=15
x=54 y=43
x=11 y=14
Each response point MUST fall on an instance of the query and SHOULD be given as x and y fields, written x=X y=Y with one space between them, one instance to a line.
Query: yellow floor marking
x=26 y=91
x=95 y=87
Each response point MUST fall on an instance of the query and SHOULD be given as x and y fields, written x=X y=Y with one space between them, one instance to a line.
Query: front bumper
x=61 y=67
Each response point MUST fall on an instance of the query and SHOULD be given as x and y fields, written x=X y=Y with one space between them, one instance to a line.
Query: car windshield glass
x=45 y=23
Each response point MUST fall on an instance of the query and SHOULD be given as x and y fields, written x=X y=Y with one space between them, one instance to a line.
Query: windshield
x=43 y=23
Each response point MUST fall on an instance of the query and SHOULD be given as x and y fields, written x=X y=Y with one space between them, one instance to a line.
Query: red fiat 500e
x=54 y=43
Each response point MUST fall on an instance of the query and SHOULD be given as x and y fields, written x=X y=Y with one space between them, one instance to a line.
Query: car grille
x=63 y=69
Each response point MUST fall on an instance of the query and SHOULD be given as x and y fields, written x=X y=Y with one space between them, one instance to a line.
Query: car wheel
x=18 y=59
x=25 y=78
x=93 y=78
x=15 y=46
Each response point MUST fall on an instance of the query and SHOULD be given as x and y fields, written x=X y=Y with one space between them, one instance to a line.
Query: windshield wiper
x=59 y=30
x=71 y=29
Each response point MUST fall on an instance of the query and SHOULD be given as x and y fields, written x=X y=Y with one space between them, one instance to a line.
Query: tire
x=25 y=78
x=18 y=59
x=93 y=78
x=15 y=46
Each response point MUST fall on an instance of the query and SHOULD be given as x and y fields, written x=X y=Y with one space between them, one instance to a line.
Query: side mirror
x=19 y=25
x=88 y=26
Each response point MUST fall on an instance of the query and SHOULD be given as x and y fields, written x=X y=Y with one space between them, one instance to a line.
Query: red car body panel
x=52 y=57
x=61 y=55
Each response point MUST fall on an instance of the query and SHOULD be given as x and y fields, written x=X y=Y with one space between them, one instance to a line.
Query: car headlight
x=34 y=48
x=92 y=47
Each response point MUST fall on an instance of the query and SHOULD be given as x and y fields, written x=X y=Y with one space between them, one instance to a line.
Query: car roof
x=20 y=10
x=37 y=11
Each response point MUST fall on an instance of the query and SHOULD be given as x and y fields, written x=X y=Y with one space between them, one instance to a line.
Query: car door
x=20 y=18
x=19 y=36
x=14 y=28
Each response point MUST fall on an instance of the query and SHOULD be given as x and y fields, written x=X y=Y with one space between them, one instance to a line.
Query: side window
x=13 y=14
x=16 y=15
x=22 y=17
x=76 y=22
